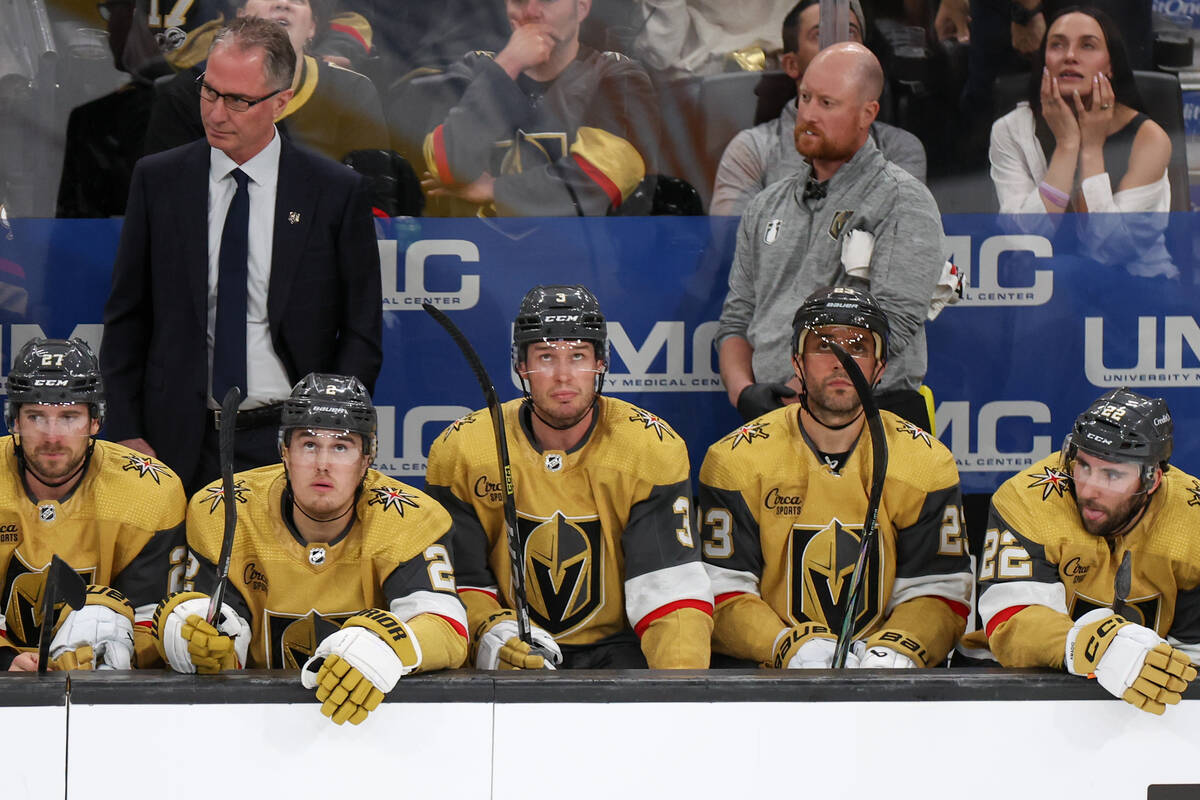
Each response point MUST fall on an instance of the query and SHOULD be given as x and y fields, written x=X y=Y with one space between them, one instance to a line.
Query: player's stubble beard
x=1117 y=519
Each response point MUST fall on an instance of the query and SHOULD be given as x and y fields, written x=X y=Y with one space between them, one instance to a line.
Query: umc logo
x=981 y=282
x=415 y=292
x=411 y=461
x=18 y=334
x=1177 y=333
x=1024 y=448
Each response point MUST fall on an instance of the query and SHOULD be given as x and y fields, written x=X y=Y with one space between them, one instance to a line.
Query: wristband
x=1055 y=196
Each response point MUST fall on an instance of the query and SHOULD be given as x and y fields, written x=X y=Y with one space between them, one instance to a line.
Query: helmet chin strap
x=823 y=423
x=582 y=416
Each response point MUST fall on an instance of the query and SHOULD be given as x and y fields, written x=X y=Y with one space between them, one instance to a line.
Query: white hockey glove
x=99 y=635
x=499 y=647
x=857 y=247
x=1130 y=661
x=190 y=644
x=355 y=667
x=949 y=290
x=879 y=656
x=810 y=645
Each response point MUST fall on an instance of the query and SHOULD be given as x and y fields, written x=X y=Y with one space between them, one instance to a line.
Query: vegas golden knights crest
x=1143 y=611
x=528 y=151
x=822 y=564
x=564 y=581
x=23 y=601
x=293 y=639
x=840 y=218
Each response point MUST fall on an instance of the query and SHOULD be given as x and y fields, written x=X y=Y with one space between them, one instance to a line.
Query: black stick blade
x=229 y=407
x=63 y=584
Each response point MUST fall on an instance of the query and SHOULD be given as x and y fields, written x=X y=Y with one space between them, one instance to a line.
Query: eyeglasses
x=234 y=102
x=106 y=9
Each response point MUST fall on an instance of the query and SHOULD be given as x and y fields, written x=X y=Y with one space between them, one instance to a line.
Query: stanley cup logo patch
x=772 y=231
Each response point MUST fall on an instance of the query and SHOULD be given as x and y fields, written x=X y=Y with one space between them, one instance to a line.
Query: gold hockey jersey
x=394 y=555
x=605 y=530
x=1040 y=569
x=782 y=530
x=117 y=528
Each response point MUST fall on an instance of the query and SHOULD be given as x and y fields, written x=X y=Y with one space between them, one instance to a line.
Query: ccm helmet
x=55 y=372
x=336 y=402
x=1122 y=425
x=559 y=313
x=841 y=305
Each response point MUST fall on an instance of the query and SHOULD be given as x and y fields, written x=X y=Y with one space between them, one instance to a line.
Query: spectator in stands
x=704 y=37
x=1080 y=143
x=759 y=156
x=333 y=110
x=846 y=217
x=545 y=127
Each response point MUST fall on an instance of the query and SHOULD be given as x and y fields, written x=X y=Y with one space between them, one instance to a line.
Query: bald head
x=856 y=64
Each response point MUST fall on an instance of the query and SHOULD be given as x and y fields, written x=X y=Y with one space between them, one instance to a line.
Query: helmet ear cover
x=330 y=402
x=55 y=372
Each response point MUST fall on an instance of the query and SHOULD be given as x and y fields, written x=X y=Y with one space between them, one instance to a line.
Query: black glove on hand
x=759 y=398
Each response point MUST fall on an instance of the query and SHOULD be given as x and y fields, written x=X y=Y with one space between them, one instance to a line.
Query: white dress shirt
x=267 y=380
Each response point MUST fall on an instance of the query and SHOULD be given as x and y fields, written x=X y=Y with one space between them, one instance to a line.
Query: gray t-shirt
x=757 y=157
x=788 y=247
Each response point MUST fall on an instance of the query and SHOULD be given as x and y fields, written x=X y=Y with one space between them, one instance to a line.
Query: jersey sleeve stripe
x=731 y=581
x=600 y=179
x=1000 y=618
x=458 y=626
x=659 y=613
x=612 y=162
x=998 y=597
x=491 y=591
x=435 y=156
x=353 y=32
x=721 y=598
x=955 y=587
x=426 y=602
x=647 y=593
x=961 y=609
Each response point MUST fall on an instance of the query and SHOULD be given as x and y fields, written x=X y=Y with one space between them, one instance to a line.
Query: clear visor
x=858 y=343
x=549 y=357
x=310 y=446
x=1092 y=472
x=68 y=419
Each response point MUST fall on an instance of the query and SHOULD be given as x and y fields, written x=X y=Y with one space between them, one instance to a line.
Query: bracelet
x=1055 y=196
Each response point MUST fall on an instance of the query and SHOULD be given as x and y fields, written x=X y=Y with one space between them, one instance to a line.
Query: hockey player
x=115 y=516
x=1091 y=559
x=322 y=541
x=612 y=575
x=782 y=503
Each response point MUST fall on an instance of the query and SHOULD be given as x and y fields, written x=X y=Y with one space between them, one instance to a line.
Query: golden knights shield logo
x=292 y=639
x=1144 y=611
x=23 y=588
x=564 y=580
x=821 y=560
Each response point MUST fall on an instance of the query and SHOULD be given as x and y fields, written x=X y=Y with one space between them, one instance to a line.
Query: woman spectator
x=1080 y=143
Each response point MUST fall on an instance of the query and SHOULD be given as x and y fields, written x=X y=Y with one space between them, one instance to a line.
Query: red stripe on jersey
x=146 y=623
x=602 y=180
x=662 y=611
x=439 y=156
x=462 y=589
x=958 y=608
x=352 y=32
x=721 y=598
x=458 y=627
x=378 y=212
x=1003 y=616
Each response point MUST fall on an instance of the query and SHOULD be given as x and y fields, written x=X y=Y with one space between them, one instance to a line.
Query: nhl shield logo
x=554 y=462
x=47 y=513
x=316 y=556
x=772 y=231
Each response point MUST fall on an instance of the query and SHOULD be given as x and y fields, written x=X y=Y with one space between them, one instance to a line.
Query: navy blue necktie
x=229 y=334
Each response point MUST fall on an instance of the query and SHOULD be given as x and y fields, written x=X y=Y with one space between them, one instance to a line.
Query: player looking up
x=1090 y=561
x=782 y=500
x=322 y=541
x=612 y=575
x=114 y=515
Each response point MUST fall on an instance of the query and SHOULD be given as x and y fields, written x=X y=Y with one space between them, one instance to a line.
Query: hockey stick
x=879 y=460
x=516 y=563
x=229 y=408
x=1121 y=586
x=62 y=583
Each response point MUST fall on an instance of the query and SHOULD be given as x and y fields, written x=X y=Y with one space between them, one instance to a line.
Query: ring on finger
x=1105 y=106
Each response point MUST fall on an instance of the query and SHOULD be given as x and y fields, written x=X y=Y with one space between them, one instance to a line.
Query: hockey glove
x=759 y=398
x=1130 y=661
x=104 y=625
x=810 y=645
x=889 y=649
x=190 y=644
x=497 y=645
x=355 y=667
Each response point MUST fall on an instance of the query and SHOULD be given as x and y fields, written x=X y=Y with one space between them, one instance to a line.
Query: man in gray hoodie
x=847 y=217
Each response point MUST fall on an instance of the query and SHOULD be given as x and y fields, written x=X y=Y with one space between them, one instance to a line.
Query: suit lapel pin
x=294 y=217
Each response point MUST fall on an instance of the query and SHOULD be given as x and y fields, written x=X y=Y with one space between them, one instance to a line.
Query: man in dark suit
x=290 y=231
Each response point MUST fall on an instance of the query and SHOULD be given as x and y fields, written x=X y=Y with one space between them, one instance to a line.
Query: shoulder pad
x=142 y=489
x=398 y=520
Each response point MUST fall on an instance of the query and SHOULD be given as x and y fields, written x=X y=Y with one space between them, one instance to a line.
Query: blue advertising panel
x=1054 y=313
